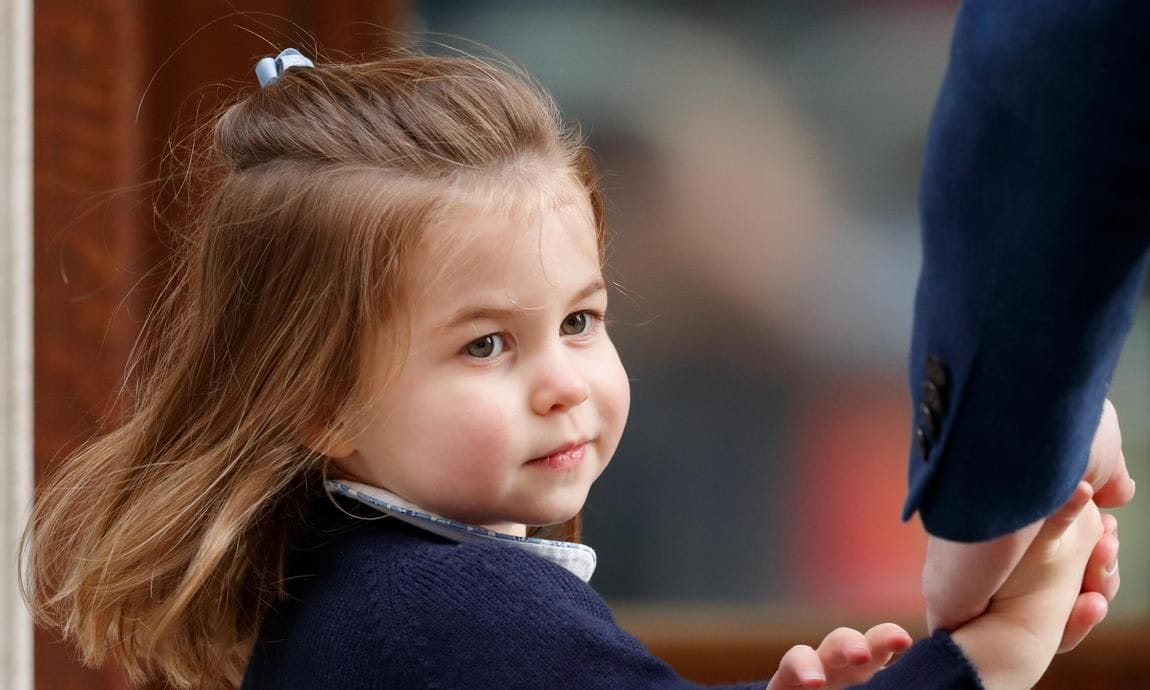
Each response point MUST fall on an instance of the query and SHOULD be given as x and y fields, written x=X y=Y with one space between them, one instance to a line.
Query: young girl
x=376 y=396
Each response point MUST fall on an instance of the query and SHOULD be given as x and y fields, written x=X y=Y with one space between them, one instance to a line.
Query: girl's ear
x=322 y=444
x=340 y=451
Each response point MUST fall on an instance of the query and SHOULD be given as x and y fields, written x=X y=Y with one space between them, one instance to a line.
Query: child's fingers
x=1089 y=610
x=800 y=667
x=1102 y=574
x=1099 y=586
x=850 y=657
x=886 y=640
x=844 y=657
x=843 y=648
x=1060 y=537
x=1110 y=523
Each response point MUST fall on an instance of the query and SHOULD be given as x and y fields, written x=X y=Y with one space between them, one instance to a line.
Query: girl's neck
x=338 y=471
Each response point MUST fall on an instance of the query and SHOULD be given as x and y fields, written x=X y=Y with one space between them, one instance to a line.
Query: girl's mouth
x=566 y=458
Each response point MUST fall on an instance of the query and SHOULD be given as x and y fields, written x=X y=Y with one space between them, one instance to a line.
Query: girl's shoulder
x=388 y=570
x=409 y=605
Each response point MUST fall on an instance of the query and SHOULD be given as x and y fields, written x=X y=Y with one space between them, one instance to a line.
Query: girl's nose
x=558 y=385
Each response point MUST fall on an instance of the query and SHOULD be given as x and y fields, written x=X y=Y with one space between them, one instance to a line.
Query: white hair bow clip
x=269 y=69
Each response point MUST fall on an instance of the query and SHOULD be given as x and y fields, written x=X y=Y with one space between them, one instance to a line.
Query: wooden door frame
x=16 y=317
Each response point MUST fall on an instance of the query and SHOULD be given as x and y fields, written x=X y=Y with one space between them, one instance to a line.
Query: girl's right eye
x=486 y=347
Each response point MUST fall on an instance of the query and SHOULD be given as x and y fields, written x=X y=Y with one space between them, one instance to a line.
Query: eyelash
x=596 y=320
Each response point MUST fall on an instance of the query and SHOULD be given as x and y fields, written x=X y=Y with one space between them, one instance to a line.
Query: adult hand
x=1106 y=470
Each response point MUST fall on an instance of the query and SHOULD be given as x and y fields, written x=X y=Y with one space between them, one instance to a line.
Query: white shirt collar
x=578 y=559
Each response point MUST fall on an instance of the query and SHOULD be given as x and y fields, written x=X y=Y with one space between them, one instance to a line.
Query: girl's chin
x=560 y=513
x=555 y=512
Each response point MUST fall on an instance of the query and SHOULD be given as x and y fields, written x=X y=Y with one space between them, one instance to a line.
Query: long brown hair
x=162 y=542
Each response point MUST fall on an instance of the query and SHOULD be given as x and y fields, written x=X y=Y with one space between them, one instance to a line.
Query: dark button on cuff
x=922 y=442
x=936 y=371
x=932 y=397
x=929 y=421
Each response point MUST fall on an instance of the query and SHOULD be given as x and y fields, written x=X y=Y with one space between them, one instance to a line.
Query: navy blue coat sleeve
x=1035 y=206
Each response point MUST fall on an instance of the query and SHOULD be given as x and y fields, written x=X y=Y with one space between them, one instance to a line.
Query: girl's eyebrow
x=475 y=312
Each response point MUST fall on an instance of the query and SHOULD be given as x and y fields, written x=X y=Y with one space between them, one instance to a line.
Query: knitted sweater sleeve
x=489 y=616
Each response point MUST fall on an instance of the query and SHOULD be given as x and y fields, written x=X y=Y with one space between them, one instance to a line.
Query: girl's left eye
x=576 y=323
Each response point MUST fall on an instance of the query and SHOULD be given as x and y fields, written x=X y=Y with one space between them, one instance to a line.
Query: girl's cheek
x=624 y=398
x=483 y=434
x=618 y=400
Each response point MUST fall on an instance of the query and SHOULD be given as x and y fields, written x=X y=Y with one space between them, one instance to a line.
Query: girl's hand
x=1099 y=587
x=845 y=657
x=1013 y=643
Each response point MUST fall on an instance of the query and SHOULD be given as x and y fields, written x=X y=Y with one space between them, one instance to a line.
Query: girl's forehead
x=523 y=192
x=508 y=216
x=493 y=247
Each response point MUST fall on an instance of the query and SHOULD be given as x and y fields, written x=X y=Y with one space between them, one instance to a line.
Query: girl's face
x=512 y=399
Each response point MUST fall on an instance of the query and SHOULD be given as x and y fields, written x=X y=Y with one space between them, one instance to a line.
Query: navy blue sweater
x=381 y=604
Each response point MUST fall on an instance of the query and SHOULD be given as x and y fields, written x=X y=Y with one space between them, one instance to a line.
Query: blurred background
x=761 y=163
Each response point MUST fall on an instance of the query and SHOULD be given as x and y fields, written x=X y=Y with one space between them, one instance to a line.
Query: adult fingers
x=1106 y=470
x=800 y=667
x=1118 y=489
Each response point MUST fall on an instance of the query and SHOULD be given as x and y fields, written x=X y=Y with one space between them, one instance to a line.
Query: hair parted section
x=162 y=542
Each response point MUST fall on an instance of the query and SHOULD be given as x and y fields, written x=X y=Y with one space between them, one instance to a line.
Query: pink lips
x=565 y=458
